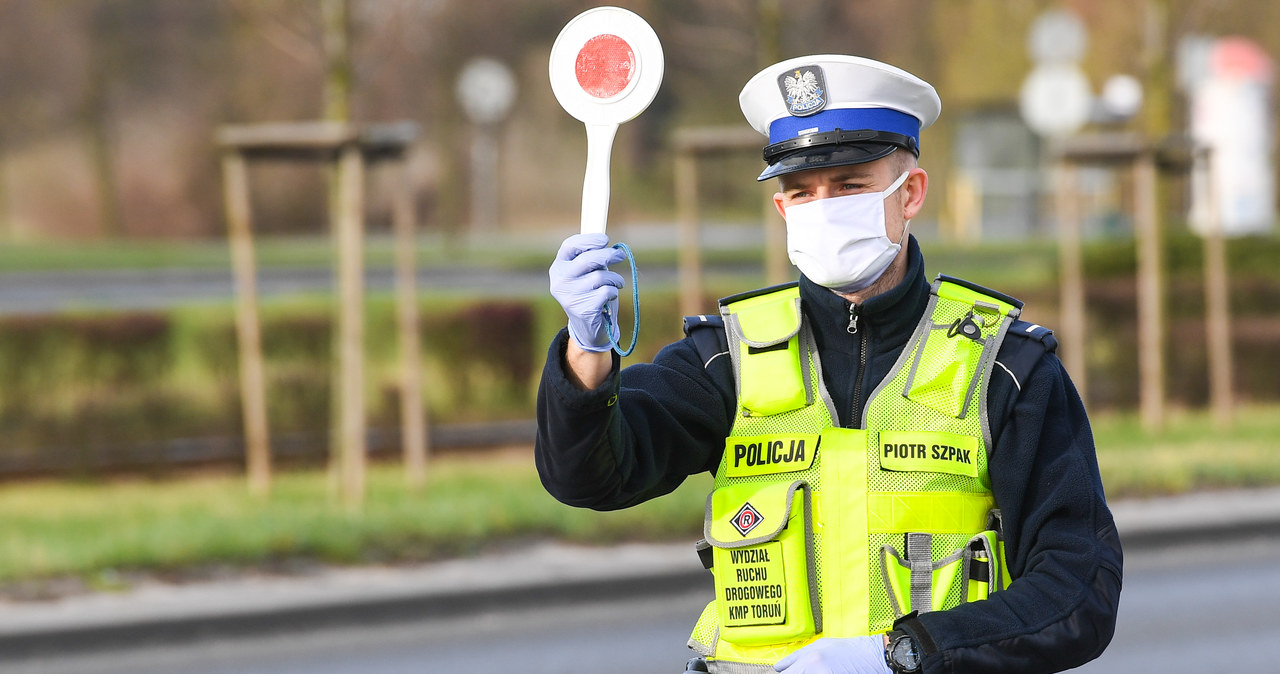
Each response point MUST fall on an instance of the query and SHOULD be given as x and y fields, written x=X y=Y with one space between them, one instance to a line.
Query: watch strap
x=911 y=625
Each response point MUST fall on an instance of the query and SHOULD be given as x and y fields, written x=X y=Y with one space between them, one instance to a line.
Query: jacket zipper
x=855 y=417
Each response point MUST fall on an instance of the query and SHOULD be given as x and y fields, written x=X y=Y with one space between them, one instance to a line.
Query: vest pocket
x=945 y=370
x=772 y=362
x=914 y=581
x=982 y=568
x=761 y=538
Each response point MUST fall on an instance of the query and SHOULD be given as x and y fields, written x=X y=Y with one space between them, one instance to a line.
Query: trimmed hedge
x=86 y=385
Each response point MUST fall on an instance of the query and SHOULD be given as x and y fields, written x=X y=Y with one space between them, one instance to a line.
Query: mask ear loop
x=896 y=184
x=610 y=320
x=906 y=226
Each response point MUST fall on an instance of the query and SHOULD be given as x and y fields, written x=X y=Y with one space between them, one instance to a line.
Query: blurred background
x=1111 y=164
x=108 y=161
x=110 y=107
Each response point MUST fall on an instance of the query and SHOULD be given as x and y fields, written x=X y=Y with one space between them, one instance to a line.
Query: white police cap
x=835 y=110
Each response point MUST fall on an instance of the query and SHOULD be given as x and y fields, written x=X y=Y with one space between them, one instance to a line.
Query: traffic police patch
x=746 y=519
x=804 y=89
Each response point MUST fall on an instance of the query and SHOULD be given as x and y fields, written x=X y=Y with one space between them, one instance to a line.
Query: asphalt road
x=1188 y=609
x=639 y=637
x=1207 y=608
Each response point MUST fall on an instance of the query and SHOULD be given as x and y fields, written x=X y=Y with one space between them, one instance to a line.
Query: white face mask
x=842 y=243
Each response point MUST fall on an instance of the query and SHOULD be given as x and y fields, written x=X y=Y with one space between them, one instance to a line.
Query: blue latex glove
x=582 y=283
x=855 y=655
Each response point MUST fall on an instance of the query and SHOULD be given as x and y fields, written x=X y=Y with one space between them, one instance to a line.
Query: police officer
x=905 y=478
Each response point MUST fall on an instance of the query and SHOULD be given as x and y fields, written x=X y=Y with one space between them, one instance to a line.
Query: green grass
x=1024 y=262
x=83 y=529
x=98 y=530
x=1190 y=453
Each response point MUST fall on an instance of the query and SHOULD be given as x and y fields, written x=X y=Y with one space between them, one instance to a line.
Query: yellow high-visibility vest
x=813 y=530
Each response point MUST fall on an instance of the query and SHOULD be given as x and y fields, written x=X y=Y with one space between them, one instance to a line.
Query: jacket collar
x=895 y=311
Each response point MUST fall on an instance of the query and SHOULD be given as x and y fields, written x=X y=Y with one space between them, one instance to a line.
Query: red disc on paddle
x=605 y=65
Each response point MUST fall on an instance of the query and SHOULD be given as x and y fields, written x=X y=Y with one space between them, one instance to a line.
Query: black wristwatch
x=902 y=654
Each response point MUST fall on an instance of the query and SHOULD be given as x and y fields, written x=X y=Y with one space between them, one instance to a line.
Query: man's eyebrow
x=843 y=176
x=852 y=174
x=793 y=186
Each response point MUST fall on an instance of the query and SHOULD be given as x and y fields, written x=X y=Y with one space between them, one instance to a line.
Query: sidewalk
x=537 y=574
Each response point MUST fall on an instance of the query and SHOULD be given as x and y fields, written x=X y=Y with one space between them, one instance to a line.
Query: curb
x=197 y=626
x=548 y=574
x=1203 y=517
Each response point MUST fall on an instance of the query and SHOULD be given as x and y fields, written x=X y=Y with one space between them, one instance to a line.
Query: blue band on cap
x=849 y=119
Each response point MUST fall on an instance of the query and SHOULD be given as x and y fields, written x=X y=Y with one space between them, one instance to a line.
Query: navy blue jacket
x=652 y=424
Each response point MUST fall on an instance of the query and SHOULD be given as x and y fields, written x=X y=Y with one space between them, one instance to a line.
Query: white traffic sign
x=1055 y=100
x=1122 y=96
x=486 y=89
x=1057 y=36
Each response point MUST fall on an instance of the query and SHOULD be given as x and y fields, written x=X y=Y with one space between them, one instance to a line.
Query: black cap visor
x=823 y=157
x=834 y=148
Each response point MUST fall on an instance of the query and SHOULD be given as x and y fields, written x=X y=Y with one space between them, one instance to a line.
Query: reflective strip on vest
x=928 y=512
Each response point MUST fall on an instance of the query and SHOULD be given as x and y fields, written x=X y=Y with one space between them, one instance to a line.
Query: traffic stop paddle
x=606 y=66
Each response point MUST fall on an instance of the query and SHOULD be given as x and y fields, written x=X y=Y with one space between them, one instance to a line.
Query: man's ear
x=913 y=191
x=777 y=203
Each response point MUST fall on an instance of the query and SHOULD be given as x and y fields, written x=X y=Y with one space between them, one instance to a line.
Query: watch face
x=905 y=654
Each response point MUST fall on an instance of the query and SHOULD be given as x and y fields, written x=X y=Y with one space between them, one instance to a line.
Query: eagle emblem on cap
x=804 y=91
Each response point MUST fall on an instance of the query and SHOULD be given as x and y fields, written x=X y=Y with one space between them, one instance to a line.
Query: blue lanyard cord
x=609 y=321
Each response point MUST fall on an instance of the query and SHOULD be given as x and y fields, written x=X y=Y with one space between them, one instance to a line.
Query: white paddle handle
x=595 y=186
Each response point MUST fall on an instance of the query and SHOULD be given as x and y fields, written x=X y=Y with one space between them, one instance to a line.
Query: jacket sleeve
x=1061 y=544
x=638 y=435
